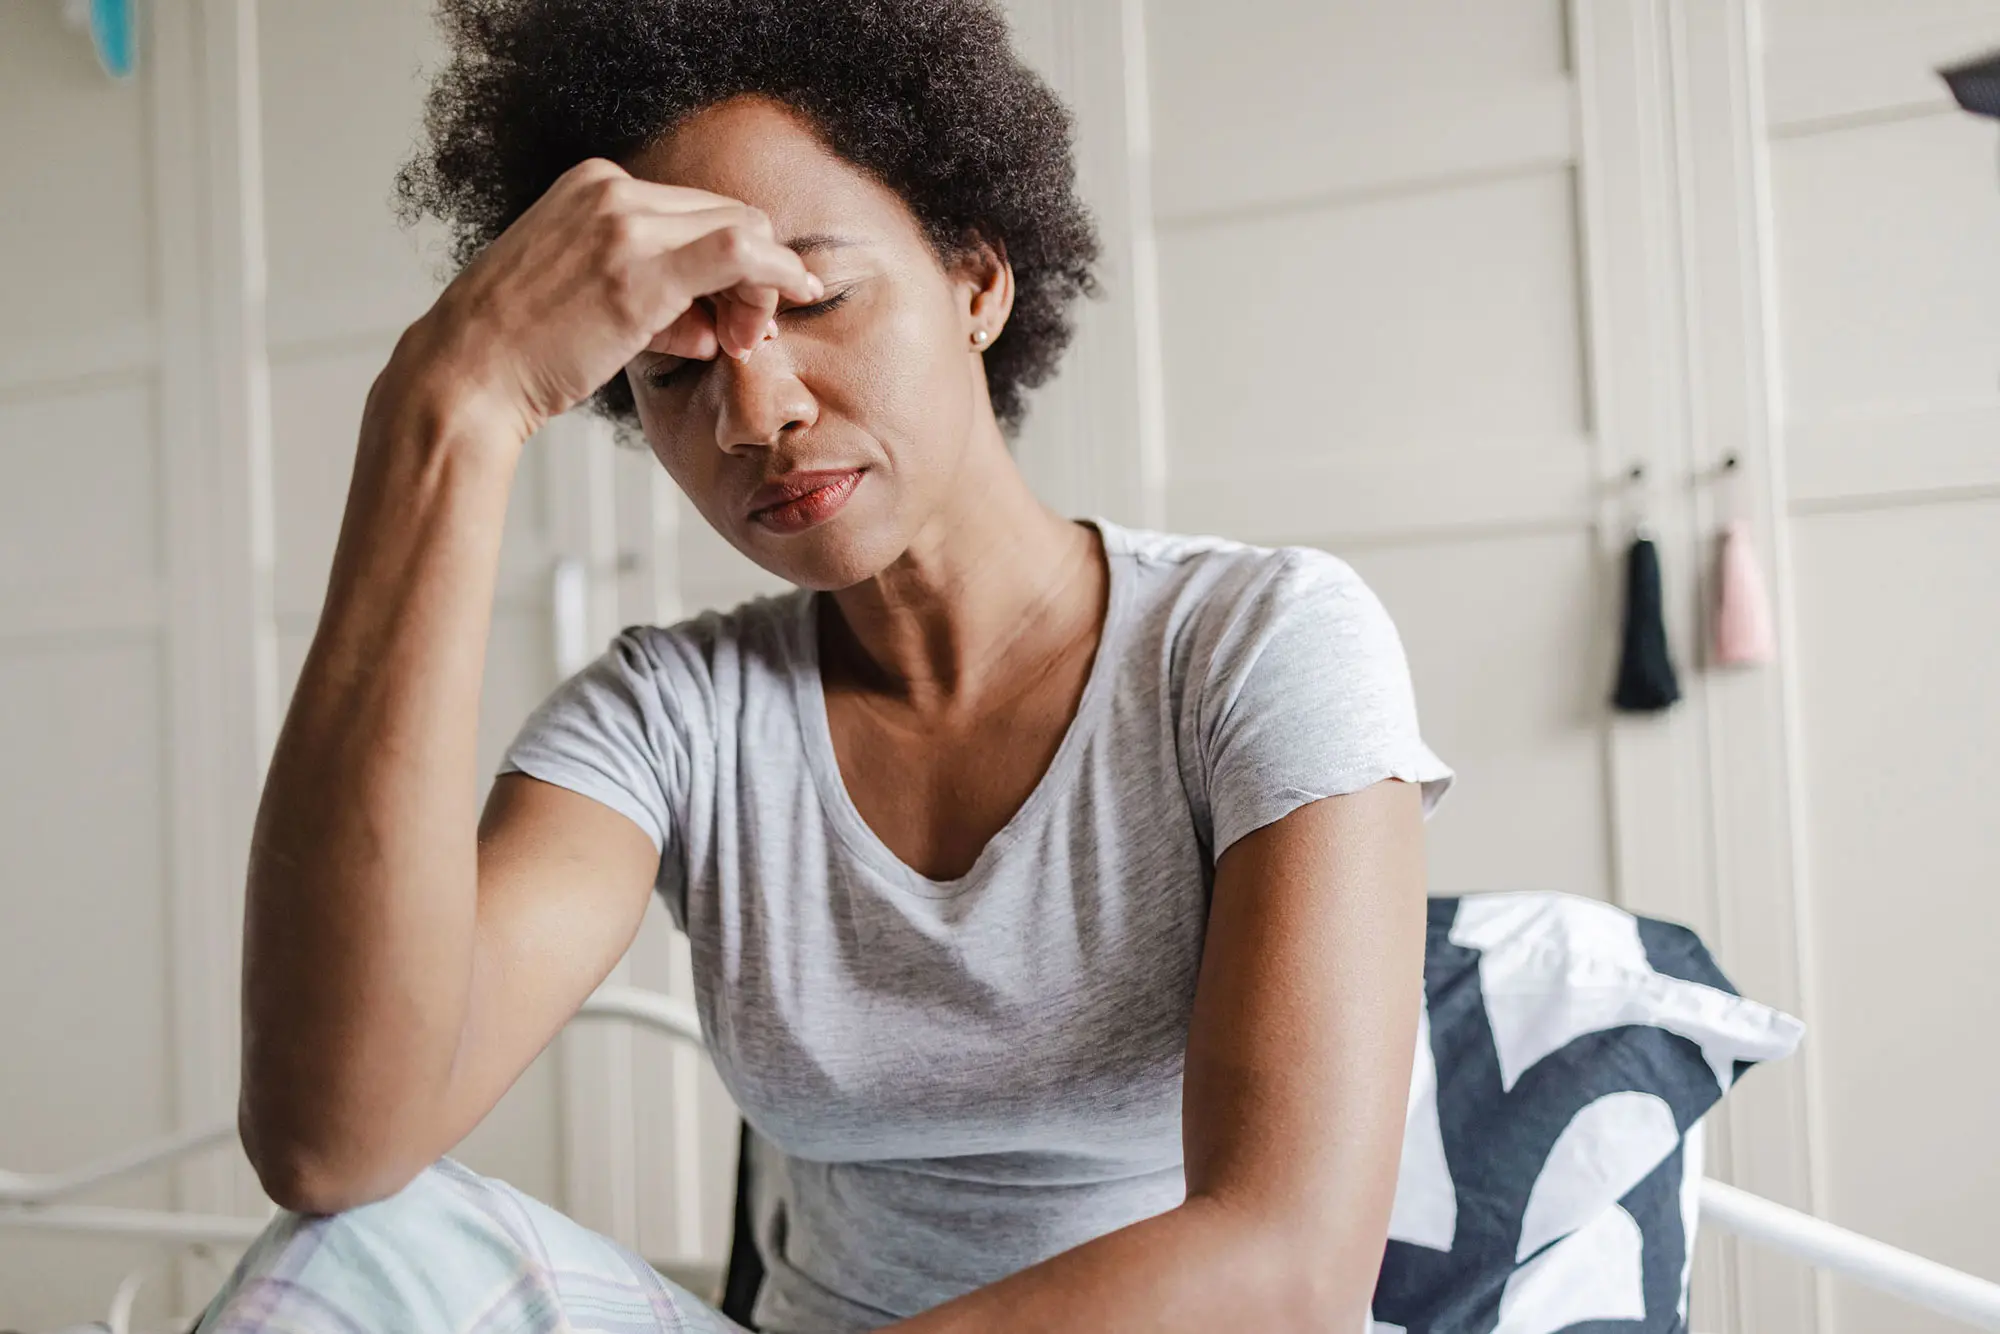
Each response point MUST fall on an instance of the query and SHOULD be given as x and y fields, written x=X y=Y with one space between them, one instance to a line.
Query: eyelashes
x=670 y=373
x=832 y=303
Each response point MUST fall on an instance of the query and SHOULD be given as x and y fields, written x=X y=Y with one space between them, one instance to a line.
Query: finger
x=735 y=256
x=606 y=187
x=747 y=311
x=652 y=197
x=692 y=336
x=675 y=229
x=739 y=313
x=732 y=252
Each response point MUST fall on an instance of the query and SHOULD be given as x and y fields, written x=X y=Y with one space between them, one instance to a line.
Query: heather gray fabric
x=950 y=1081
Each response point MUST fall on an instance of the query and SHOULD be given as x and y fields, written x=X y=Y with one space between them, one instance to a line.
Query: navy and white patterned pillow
x=1567 y=1054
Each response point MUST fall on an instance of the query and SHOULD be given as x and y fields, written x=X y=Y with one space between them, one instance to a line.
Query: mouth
x=801 y=500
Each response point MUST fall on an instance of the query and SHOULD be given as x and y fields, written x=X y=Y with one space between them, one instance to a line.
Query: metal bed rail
x=34 y=1201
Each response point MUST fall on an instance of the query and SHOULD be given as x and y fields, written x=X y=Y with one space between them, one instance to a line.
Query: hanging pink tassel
x=1743 y=633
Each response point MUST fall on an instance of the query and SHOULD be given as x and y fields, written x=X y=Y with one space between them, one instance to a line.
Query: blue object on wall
x=111 y=32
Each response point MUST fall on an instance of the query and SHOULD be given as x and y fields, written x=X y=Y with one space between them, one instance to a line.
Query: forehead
x=764 y=154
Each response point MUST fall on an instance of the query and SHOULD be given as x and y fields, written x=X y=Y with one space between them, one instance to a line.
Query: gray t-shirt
x=949 y=1081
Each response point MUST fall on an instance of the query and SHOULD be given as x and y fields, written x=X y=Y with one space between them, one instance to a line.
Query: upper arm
x=1301 y=691
x=563 y=886
x=569 y=852
x=1304 y=1026
x=1313 y=780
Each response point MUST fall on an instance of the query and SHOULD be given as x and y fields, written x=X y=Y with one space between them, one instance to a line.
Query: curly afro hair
x=926 y=95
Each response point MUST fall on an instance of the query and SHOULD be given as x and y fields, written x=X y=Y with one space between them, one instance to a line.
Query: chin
x=840 y=553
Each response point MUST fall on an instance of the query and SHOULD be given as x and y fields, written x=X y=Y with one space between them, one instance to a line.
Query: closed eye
x=832 y=303
x=668 y=371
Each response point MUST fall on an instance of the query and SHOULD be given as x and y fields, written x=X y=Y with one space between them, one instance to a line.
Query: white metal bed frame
x=34 y=1202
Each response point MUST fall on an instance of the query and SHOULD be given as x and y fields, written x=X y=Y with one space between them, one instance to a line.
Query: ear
x=986 y=289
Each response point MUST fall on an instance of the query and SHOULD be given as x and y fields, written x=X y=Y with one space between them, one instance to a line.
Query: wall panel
x=1266 y=101
x=1887 y=269
x=1509 y=661
x=344 y=85
x=79 y=498
x=1885 y=230
x=1899 y=720
x=1444 y=318
x=82 y=968
x=75 y=161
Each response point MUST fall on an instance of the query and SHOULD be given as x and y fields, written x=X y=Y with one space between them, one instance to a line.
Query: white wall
x=1433 y=277
x=200 y=283
x=1369 y=270
x=89 y=706
x=1885 y=223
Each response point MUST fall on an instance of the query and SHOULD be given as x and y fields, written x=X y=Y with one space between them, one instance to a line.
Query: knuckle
x=620 y=232
x=629 y=304
x=625 y=292
x=611 y=192
x=592 y=173
x=734 y=245
x=727 y=245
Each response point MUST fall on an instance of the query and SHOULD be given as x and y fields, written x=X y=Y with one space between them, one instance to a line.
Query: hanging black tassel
x=1646 y=680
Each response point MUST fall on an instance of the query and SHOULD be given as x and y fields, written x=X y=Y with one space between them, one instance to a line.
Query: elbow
x=322 y=1140
x=1315 y=1301
x=1300 y=1298
x=295 y=1183
x=1305 y=1276
x=1318 y=1295
x=309 y=1174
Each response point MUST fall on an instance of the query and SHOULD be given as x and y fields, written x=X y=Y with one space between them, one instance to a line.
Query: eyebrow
x=815 y=241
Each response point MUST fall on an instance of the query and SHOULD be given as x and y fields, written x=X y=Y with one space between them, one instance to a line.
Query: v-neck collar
x=809 y=693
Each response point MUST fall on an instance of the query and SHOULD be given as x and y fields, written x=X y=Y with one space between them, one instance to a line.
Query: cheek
x=902 y=380
x=694 y=470
x=674 y=432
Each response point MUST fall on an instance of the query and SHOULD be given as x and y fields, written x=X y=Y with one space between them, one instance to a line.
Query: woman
x=1054 y=890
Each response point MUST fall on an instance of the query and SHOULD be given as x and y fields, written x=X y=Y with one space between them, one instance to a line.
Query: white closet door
x=1370 y=269
x=1433 y=283
x=1886 y=240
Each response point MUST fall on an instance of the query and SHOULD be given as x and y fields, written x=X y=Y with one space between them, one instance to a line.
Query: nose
x=761 y=400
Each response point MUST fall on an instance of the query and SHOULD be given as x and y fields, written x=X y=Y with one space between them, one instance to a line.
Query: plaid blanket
x=455 y=1253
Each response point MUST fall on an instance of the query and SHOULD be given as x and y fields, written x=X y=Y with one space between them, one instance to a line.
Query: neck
x=994 y=584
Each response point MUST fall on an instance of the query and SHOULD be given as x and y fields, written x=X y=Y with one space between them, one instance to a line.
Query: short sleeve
x=608 y=734
x=1306 y=694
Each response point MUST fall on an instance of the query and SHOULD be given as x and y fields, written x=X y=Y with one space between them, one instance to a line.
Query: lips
x=800 y=500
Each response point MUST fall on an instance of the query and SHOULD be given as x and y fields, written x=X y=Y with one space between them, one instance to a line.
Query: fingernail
x=770 y=328
x=818 y=287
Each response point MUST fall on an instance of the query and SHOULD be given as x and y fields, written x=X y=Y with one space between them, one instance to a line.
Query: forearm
x=361 y=1017
x=1192 y=1270
x=1293 y=1122
x=362 y=890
